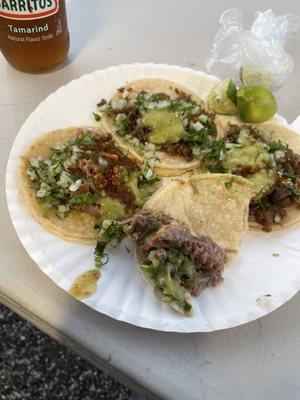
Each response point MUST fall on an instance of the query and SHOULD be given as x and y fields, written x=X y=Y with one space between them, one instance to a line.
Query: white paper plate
x=121 y=292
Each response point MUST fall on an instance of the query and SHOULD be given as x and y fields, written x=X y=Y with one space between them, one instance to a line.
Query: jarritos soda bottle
x=34 y=34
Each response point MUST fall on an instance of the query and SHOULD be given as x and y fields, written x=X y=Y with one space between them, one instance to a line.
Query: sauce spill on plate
x=85 y=285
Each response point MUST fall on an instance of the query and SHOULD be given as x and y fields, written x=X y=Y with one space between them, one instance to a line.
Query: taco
x=269 y=156
x=159 y=119
x=72 y=179
x=186 y=233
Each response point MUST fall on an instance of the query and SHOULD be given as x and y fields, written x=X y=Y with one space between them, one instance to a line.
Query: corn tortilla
x=214 y=205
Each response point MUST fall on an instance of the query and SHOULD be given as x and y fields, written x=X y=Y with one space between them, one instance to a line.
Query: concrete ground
x=35 y=367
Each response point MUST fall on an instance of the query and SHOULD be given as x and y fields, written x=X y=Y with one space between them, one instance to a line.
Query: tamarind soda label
x=26 y=10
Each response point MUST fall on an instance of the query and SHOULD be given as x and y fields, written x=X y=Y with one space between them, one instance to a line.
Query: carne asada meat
x=290 y=162
x=271 y=209
x=267 y=214
x=102 y=165
x=184 y=150
x=157 y=236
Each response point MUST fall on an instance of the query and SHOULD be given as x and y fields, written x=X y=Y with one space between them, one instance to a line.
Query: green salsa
x=112 y=209
x=253 y=155
x=168 y=276
x=249 y=152
x=166 y=126
x=263 y=181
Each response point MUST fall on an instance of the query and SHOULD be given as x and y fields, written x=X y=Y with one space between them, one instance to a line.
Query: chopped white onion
x=196 y=125
x=34 y=163
x=75 y=185
x=117 y=103
x=63 y=208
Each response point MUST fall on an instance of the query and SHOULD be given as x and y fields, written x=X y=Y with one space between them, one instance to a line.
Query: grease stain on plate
x=85 y=285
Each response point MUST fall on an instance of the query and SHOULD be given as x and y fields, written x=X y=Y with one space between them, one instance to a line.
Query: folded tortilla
x=214 y=205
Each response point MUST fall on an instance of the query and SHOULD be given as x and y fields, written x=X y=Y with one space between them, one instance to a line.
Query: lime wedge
x=255 y=104
x=222 y=99
x=253 y=76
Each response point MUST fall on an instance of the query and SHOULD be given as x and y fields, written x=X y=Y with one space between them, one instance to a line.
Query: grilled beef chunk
x=179 y=149
x=106 y=176
x=267 y=214
x=156 y=234
x=270 y=211
x=246 y=170
x=101 y=103
x=290 y=162
x=141 y=132
x=143 y=223
x=233 y=132
x=281 y=196
x=182 y=95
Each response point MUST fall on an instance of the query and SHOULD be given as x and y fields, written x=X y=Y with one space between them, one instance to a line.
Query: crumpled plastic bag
x=257 y=53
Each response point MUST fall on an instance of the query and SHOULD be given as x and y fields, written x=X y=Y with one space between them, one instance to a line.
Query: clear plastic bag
x=256 y=56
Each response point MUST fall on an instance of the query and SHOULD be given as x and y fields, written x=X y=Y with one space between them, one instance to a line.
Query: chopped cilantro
x=147 y=175
x=155 y=97
x=211 y=158
x=201 y=136
x=277 y=145
x=141 y=99
x=151 y=181
x=181 y=106
x=122 y=124
x=86 y=137
x=86 y=198
x=111 y=232
x=97 y=117
x=176 y=257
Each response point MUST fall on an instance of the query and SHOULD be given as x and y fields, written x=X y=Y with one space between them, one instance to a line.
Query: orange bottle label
x=28 y=9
